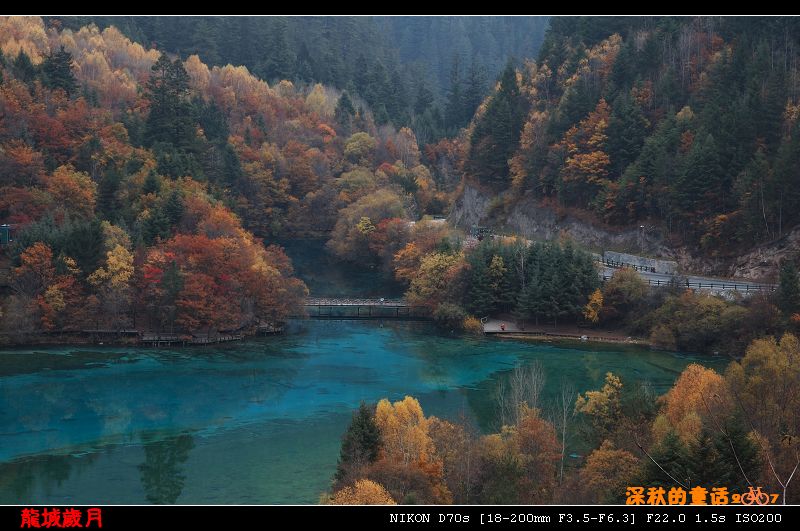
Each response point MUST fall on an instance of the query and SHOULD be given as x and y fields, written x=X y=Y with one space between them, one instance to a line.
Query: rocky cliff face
x=528 y=218
x=470 y=208
x=764 y=260
x=536 y=222
x=543 y=223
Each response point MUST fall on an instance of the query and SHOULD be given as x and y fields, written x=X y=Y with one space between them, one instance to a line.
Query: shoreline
x=543 y=336
x=507 y=326
x=82 y=340
x=549 y=337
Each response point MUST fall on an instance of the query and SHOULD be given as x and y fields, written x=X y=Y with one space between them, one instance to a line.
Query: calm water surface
x=253 y=422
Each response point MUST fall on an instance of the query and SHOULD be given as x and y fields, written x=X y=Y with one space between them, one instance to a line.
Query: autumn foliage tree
x=585 y=169
x=113 y=283
x=227 y=282
x=519 y=464
x=404 y=429
x=364 y=492
x=608 y=472
x=47 y=288
x=72 y=191
x=699 y=399
x=602 y=408
x=764 y=386
x=408 y=453
x=434 y=278
x=456 y=446
x=350 y=239
x=591 y=311
x=621 y=294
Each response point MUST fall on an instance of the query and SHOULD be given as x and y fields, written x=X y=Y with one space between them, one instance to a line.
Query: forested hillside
x=140 y=184
x=427 y=72
x=690 y=124
x=116 y=158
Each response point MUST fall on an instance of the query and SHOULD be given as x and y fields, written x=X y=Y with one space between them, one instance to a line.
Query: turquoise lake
x=257 y=421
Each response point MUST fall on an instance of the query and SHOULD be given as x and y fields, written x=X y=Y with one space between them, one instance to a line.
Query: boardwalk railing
x=156 y=339
x=625 y=265
x=351 y=308
x=721 y=285
x=346 y=301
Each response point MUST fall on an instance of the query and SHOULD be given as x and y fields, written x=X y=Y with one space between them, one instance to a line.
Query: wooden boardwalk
x=353 y=308
x=512 y=329
x=342 y=301
x=158 y=340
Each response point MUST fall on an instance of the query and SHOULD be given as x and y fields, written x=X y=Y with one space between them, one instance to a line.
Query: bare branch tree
x=563 y=413
x=766 y=451
x=524 y=388
x=521 y=255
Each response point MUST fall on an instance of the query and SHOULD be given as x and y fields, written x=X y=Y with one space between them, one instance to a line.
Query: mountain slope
x=688 y=125
x=140 y=186
x=403 y=67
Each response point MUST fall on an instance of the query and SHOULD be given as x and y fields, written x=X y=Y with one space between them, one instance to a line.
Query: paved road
x=661 y=279
x=696 y=282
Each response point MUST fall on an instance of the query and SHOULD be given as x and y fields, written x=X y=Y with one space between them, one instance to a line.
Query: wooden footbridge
x=350 y=308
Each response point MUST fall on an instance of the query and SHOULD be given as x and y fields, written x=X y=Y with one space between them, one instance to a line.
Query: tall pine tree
x=57 y=72
x=171 y=118
x=360 y=445
x=497 y=132
x=789 y=289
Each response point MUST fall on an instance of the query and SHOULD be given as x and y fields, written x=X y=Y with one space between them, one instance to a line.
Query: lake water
x=252 y=422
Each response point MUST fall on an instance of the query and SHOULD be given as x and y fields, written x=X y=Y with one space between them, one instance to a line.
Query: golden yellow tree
x=72 y=190
x=409 y=463
x=585 y=169
x=405 y=430
x=603 y=407
x=592 y=310
x=607 y=472
x=434 y=278
x=699 y=397
x=365 y=492
x=765 y=386
x=113 y=285
x=118 y=271
x=406 y=262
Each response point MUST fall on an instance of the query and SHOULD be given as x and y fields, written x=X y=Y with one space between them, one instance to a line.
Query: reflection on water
x=162 y=470
x=256 y=421
x=19 y=479
x=327 y=277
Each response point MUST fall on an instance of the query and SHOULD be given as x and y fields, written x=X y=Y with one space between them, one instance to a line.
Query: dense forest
x=686 y=123
x=430 y=73
x=140 y=185
x=118 y=162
